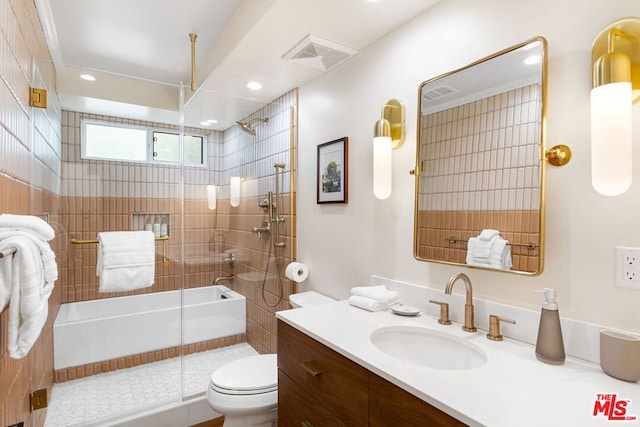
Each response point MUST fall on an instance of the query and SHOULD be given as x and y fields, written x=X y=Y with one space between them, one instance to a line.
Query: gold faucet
x=468 y=307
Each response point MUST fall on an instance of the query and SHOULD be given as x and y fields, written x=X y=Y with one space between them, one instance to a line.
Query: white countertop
x=512 y=389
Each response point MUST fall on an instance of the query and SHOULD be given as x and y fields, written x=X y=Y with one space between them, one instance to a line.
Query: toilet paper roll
x=297 y=271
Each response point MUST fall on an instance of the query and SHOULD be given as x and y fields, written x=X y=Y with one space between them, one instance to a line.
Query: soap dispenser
x=549 y=346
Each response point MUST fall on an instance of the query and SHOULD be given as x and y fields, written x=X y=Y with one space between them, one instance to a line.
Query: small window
x=165 y=148
x=114 y=142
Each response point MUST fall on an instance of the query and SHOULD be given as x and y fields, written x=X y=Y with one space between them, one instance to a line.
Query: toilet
x=245 y=391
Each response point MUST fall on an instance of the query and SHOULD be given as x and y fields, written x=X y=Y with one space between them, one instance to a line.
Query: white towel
x=483 y=244
x=500 y=254
x=126 y=260
x=495 y=255
x=33 y=273
x=377 y=293
x=371 y=304
x=27 y=223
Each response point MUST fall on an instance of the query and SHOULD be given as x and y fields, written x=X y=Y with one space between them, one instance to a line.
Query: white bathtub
x=93 y=331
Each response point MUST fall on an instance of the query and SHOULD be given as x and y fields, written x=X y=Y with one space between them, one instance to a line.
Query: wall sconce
x=234 y=191
x=615 y=65
x=212 y=196
x=388 y=134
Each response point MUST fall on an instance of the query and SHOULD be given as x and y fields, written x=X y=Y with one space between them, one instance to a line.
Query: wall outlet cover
x=627 y=267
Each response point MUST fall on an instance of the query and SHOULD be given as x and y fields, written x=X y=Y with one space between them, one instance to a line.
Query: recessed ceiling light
x=254 y=85
x=205 y=123
x=212 y=121
x=87 y=77
x=532 y=60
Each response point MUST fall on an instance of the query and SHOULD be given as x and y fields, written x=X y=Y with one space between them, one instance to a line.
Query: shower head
x=247 y=126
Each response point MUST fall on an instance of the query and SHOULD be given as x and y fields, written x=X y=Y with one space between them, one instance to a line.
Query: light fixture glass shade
x=611 y=138
x=382 y=166
x=234 y=191
x=212 y=196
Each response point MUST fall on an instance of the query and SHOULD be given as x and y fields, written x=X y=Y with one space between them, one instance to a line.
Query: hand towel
x=377 y=293
x=33 y=273
x=500 y=254
x=371 y=304
x=27 y=223
x=126 y=260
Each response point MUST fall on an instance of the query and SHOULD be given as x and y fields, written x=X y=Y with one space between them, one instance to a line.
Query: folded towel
x=500 y=255
x=126 y=260
x=32 y=275
x=371 y=304
x=493 y=253
x=377 y=293
x=483 y=243
x=27 y=223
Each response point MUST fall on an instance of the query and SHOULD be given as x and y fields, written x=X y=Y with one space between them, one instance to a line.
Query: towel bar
x=2 y=255
x=530 y=246
x=164 y=239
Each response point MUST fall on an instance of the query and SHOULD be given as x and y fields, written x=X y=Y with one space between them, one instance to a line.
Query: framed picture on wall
x=332 y=174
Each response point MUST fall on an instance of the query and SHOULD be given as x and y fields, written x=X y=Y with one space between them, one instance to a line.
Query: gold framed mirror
x=480 y=169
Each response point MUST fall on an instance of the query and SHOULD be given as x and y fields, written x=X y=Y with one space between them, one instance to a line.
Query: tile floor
x=112 y=393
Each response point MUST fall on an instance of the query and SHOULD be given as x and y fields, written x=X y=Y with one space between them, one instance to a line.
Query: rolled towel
x=371 y=304
x=488 y=234
x=377 y=293
x=27 y=223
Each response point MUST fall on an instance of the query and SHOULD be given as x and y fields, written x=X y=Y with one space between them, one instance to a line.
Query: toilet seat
x=247 y=376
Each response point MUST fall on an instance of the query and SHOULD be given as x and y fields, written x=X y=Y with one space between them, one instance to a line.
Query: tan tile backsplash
x=30 y=175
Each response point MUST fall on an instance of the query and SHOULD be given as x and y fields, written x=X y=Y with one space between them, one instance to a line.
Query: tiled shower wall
x=102 y=195
x=483 y=171
x=30 y=165
x=253 y=159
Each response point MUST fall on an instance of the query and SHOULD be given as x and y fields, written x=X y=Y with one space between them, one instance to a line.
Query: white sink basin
x=427 y=347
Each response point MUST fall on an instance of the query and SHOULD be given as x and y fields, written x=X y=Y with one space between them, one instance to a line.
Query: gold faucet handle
x=444 y=312
x=494 y=327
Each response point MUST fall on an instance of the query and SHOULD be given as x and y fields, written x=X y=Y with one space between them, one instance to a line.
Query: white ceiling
x=139 y=51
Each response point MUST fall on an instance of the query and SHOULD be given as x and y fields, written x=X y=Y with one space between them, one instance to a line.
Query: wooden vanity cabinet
x=319 y=387
x=327 y=388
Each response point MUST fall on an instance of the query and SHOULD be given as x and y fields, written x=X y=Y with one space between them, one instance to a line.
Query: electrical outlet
x=627 y=267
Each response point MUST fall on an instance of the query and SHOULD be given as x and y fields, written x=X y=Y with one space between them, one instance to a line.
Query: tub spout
x=221 y=279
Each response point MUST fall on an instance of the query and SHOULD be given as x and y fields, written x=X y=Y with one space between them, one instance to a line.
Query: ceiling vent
x=319 y=53
x=437 y=92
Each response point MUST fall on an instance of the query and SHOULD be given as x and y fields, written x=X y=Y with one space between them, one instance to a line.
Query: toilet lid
x=249 y=375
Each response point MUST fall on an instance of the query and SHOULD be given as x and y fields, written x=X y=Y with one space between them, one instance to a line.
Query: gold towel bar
x=2 y=255
x=82 y=242
x=164 y=239
x=530 y=246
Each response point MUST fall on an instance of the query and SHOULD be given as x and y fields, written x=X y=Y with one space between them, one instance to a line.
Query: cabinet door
x=341 y=385
x=392 y=406
x=297 y=408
